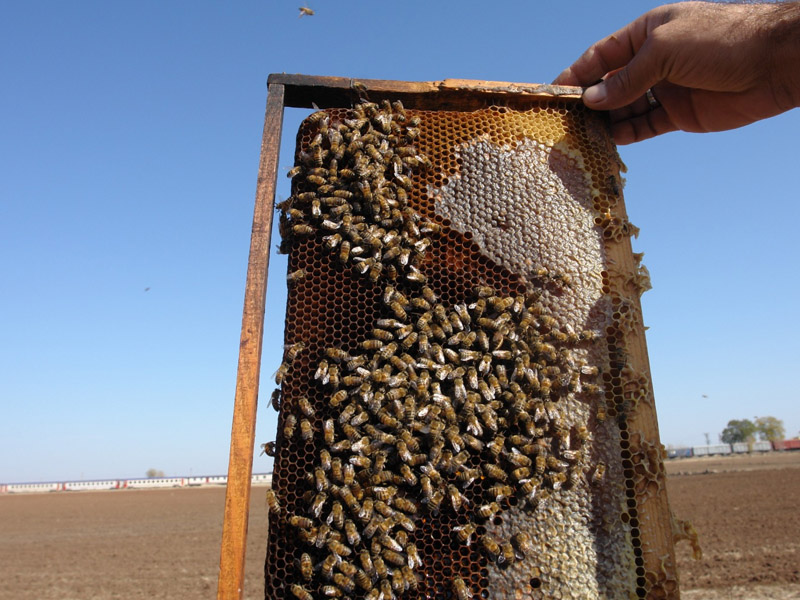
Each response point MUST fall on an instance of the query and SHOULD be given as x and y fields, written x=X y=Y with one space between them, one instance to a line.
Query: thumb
x=626 y=84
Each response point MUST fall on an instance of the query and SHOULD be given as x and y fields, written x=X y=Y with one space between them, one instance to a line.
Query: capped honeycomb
x=465 y=408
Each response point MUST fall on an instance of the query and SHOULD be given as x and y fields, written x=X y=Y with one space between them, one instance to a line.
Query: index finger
x=610 y=53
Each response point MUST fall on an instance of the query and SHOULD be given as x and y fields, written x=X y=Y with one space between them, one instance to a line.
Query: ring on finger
x=651 y=99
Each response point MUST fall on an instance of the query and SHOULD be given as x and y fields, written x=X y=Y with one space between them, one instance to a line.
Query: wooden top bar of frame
x=308 y=91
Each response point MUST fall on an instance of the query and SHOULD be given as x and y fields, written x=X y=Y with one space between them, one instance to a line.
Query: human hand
x=710 y=67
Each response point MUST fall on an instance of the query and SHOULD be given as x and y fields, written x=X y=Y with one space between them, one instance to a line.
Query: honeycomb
x=459 y=409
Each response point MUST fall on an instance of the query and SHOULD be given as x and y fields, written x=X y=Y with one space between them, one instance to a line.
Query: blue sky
x=129 y=143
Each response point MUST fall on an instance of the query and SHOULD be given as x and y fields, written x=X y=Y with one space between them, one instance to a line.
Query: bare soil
x=746 y=510
x=165 y=543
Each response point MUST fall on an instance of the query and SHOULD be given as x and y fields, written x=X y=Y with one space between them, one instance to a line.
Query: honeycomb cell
x=477 y=243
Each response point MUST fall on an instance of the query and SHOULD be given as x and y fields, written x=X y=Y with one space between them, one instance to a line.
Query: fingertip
x=595 y=95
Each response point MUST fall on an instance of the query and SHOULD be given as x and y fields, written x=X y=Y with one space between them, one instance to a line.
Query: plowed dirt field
x=165 y=543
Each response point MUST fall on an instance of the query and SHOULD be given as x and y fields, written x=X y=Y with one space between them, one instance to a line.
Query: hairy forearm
x=782 y=28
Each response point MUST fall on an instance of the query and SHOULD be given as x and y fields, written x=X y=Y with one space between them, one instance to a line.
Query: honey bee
x=337 y=547
x=288 y=426
x=501 y=491
x=297 y=275
x=298 y=591
x=393 y=557
x=306 y=566
x=455 y=497
x=353 y=537
x=344 y=582
x=460 y=589
x=273 y=506
x=521 y=472
x=507 y=555
x=300 y=522
x=331 y=591
x=328 y=432
x=529 y=486
x=435 y=501
x=337 y=398
x=337 y=354
x=464 y=533
x=318 y=504
x=306 y=431
x=598 y=474
x=491 y=546
x=327 y=566
x=320 y=480
x=487 y=511
x=268 y=448
x=336 y=516
x=404 y=504
x=366 y=563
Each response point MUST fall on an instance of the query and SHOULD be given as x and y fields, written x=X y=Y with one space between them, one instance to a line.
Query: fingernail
x=595 y=94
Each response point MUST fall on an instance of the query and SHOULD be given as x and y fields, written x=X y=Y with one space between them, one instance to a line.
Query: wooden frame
x=302 y=91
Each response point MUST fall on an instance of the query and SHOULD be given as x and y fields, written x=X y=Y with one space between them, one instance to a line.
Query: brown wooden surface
x=240 y=467
x=654 y=516
x=305 y=91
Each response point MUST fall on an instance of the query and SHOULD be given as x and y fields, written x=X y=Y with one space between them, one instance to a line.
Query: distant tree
x=770 y=429
x=738 y=431
x=151 y=473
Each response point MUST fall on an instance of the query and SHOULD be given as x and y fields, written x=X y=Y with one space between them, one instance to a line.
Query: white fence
x=115 y=484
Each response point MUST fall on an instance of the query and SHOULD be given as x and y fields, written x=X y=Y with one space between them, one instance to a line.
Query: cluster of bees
x=434 y=401
x=352 y=185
